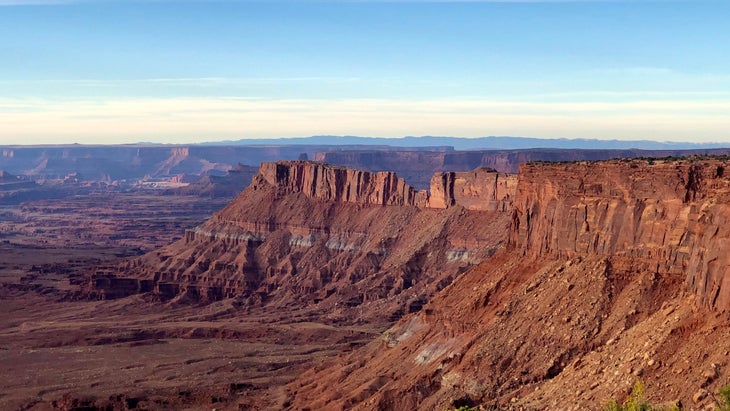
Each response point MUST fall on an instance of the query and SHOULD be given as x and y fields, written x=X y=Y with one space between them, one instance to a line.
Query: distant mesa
x=414 y=159
x=226 y=186
x=441 y=143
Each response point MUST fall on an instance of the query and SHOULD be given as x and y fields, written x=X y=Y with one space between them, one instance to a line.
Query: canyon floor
x=156 y=356
x=60 y=349
x=134 y=352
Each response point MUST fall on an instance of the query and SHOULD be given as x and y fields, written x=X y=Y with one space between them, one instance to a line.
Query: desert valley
x=523 y=279
x=371 y=205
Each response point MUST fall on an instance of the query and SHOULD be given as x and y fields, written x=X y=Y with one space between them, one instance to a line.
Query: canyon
x=350 y=245
x=132 y=162
x=328 y=287
x=613 y=272
x=178 y=165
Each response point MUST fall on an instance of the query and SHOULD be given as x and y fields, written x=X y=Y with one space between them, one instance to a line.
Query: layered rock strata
x=615 y=271
x=339 y=184
x=483 y=189
x=669 y=217
x=417 y=166
x=305 y=233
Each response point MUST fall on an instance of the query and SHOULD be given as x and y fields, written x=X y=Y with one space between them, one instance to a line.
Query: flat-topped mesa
x=306 y=233
x=669 y=218
x=483 y=189
x=325 y=182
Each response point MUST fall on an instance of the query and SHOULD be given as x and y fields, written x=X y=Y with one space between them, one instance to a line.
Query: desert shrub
x=724 y=395
x=636 y=402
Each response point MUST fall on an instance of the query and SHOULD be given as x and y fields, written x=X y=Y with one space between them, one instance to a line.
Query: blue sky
x=184 y=71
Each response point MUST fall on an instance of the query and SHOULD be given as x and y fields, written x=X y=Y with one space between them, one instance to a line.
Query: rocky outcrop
x=324 y=182
x=337 y=240
x=590 y=294
x=14 y=190
x=10 y=182
x=417 y=166
x=669 y=218
x=482 y=189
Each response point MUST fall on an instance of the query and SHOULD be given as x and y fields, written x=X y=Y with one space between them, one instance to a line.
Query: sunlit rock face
x=306 y=233
x=669 y=217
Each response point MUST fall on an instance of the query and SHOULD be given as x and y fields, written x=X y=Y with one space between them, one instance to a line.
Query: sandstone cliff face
x=417 y=166
x=311 y=235
x=482 y=189
x=340 y=184
x=590 y=294
x=670 y=218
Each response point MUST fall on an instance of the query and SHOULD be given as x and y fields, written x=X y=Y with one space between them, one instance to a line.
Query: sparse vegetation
x=636 y=401
x=479 y=408
x=724 y=394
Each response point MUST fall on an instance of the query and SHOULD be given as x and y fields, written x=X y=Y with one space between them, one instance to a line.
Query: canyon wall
x=614 y=271
x=481 y=189
x=313 y=235
x=329 y=183
x=669 y=217
x=417 y=166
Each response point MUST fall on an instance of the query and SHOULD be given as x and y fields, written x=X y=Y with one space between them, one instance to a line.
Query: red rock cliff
x=321 y=181
x=311 y=235
x=481 y=189
x=669 y=218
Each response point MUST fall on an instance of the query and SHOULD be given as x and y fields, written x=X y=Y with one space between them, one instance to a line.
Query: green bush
x=724 y=395
x=636 y=402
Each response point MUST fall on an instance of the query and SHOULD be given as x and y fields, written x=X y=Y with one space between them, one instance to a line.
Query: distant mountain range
x=485 y=143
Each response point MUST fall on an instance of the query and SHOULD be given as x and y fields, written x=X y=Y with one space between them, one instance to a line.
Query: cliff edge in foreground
x=615 y=271
x=669 y=218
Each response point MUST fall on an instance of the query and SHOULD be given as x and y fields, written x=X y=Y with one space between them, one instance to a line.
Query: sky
x=104 y=71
